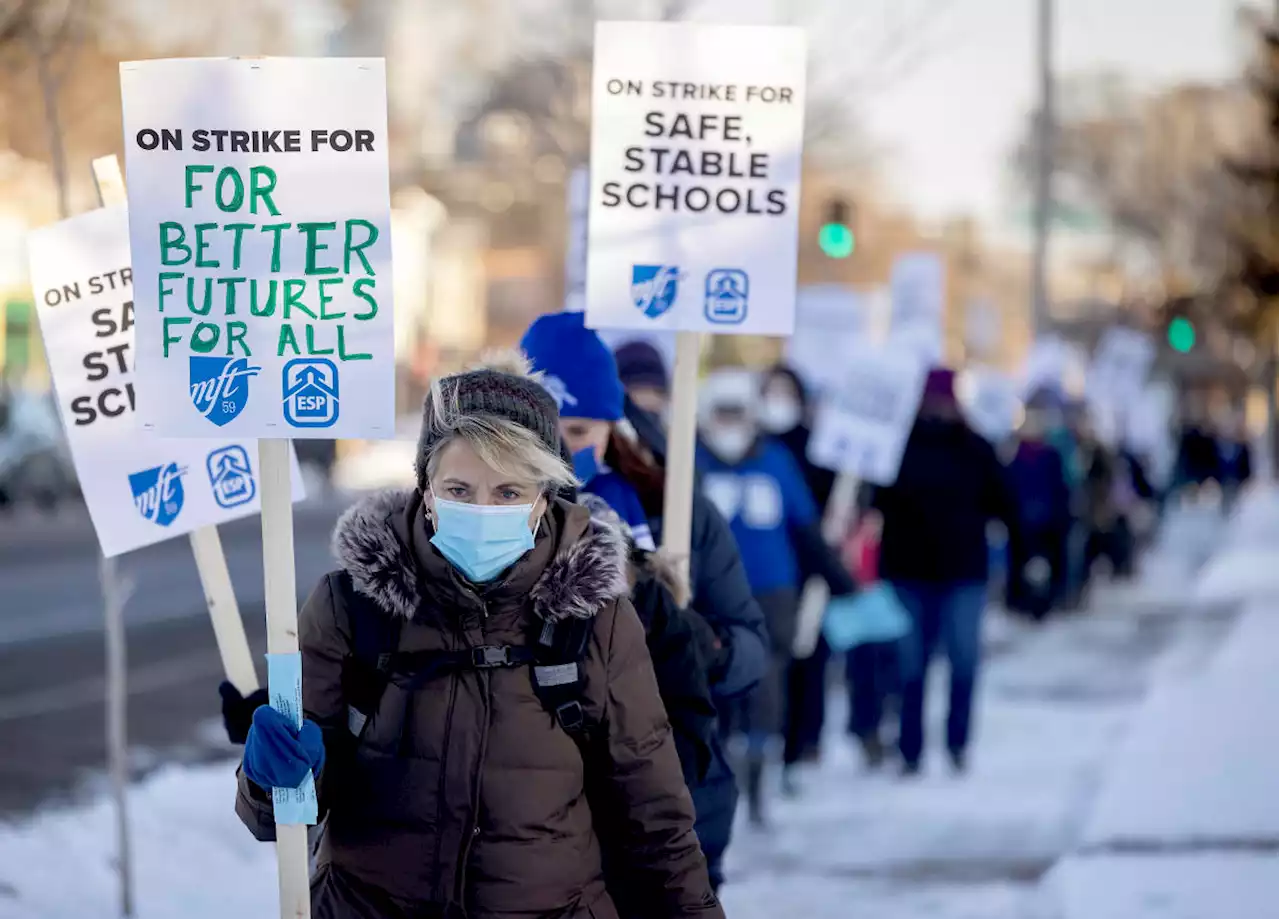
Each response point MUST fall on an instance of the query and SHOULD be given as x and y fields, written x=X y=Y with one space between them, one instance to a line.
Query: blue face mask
x=479 y=540
x=585 y=467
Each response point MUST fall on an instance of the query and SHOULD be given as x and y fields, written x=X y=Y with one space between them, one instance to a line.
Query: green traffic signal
x=836 y=240
x=1182 y=335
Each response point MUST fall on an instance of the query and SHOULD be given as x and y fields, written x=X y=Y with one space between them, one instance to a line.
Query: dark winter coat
x=1039 y=488
x=721 y=593
x=820 y=481
x=1198 y=460
x=676 y=639
x=949 y=486
x=467 y=794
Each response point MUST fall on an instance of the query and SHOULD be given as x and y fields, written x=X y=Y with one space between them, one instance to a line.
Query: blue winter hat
x=576 y=366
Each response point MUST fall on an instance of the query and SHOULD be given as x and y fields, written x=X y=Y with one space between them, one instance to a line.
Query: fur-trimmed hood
x=382 y=542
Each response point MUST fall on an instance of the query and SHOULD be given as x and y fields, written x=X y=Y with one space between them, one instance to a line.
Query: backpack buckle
x=571 y=716
x=489 y=656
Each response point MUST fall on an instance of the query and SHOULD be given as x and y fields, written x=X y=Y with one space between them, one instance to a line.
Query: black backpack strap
x=411 y=670
x=555 y=661
x=557 y=672
x=375 y=636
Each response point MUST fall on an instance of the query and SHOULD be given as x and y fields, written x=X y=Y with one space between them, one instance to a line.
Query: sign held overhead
x=695 y=177
x=261 y=231
x=861 y=428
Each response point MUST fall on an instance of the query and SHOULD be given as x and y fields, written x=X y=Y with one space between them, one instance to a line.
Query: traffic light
x=1181 y=334
x=835 y=238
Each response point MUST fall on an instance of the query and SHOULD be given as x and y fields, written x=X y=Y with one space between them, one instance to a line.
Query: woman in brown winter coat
x=461 y=792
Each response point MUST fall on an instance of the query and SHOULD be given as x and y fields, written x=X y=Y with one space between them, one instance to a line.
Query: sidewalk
x=1054 y=704
x=1186 y=823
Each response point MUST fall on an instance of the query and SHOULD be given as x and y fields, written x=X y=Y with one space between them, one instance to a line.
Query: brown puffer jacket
x=465 y=798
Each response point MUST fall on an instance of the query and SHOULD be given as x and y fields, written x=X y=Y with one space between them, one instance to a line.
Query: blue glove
x=278 y=755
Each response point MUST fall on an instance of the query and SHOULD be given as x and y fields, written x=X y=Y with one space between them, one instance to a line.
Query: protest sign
x=861 y=428
x=139 y=488
x=917 y=285
x=1053 y=364
x=989 y=400
x=577 y=197
x=831 y=319
x=1120 y=365
x=696 y=140
x=259 y=218
x=983 y=328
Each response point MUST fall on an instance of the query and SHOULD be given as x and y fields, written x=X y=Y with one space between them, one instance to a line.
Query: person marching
x=509 y=708
x=933 y=551
x=580 y=372
x=761 y=491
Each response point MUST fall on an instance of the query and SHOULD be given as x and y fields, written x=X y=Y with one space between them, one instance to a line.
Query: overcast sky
x=947 y=126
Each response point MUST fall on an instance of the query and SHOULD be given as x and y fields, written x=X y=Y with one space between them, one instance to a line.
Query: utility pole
x=1044 y=172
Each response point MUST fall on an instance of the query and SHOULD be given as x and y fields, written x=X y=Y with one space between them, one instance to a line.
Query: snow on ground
x=1054 y=702
x=1179 y=886
x=192 y=856
x=1201 y=763
x=1186 y=825
x=1245 y=566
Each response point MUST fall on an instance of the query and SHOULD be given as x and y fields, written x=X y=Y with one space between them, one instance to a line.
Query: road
x=52 y=654
x=52 y=650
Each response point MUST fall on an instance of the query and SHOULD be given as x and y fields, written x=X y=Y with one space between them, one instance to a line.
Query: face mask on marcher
x=481 y=540
x=585 y=467
x=730 y=443
x=779 y=414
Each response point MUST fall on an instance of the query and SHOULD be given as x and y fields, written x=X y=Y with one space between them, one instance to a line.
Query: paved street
x=52 y=652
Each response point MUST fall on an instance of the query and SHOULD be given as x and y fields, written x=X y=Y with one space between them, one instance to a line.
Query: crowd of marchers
x=518 y=705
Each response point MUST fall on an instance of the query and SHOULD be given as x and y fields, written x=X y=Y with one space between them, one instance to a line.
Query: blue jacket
x=766 y=501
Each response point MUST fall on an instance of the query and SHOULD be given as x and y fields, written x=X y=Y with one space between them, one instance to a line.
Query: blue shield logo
x=231 y=476
x=311 y=392
x=220 y=386
x=654 y=288
x=157 y=493
x=726 y=296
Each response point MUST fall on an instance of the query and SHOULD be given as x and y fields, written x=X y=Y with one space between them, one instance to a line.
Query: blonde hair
x=507 y=448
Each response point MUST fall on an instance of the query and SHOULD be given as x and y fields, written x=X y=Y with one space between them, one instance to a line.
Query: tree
x=60 y=83
x=1150 y=166
x=45 y=37
x=1249 y=281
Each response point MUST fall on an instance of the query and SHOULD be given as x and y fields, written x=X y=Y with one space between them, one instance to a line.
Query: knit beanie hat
x=641 y=364
x=503 y=389
x=577 y=368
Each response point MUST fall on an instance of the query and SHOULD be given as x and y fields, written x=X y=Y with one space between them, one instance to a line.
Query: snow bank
x=1201 y=763
x=1245 y=566
x=192 y=856
x=1192 y=886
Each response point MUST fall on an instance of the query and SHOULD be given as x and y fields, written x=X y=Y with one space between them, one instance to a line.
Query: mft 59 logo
x=220 y=386
x=157 y=493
